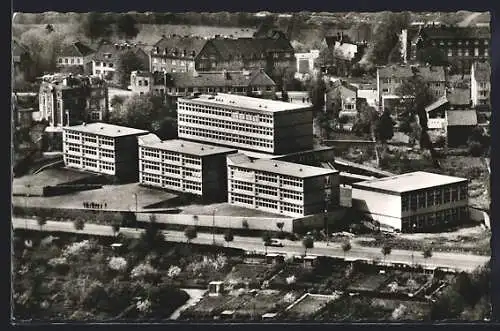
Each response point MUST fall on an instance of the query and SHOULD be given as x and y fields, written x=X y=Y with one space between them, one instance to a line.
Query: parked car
x=274 y=243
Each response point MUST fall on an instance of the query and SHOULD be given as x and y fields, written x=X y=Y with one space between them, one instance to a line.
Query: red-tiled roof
x=214 y=79
x=459 y=96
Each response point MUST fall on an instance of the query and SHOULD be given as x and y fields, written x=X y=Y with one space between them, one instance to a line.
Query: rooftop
x=429 y=73
x=219 y=78
x=461 y=117
x=107 y=130
x=186 y=147
x=247 y=102
x=280 y=167
x=436 y=104
x=76 y=49
x=459 y=96
x=412 y=181
x=176 y=45
x=456 y=32
x=114 y=50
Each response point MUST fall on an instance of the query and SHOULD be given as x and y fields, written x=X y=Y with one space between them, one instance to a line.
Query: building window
x=446 y=195
x=476 y=51
x=60 y=60
x=430 y=198
x=454 y=194
x=450 y=52
x=463 y=191
x=466 y=52
x=66 y=61
x=413 y=202
x=404 y=203
x=110 y=65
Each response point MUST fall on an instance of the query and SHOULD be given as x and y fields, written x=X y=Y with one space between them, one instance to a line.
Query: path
x=456 y=261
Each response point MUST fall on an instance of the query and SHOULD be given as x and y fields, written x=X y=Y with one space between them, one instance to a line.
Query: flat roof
x=105 y=129
x=188 y=147
x=245 y=102
x=285 y=168
x=412 y=181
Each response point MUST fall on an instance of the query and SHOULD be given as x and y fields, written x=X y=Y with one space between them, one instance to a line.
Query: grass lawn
x=266 y=301
x=369 y=282
x=251 y=272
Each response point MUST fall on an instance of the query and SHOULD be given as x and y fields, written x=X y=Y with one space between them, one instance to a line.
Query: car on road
x=275 y=243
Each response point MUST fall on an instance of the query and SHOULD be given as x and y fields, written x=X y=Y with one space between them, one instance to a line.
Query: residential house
x=415 y=201
x=343 y=96
x=271 y=52
x=180 y=84
x=175 y=53
x=460 y=45
x=481 y=85
x=344 y=54
x=306 y=63
x=460 y=125
x=65 y=99
x=23 y=107
x=106 y=59
x=76 y=54
x=436 y=115
x=390 y=78
x=21 y=60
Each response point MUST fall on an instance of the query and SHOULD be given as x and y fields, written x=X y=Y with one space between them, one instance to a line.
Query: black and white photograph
x=237 y=167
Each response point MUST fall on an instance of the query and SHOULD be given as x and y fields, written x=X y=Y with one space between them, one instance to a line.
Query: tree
x=152 y=238
x=127 y=26
x=427 y=252
x=384 y=128
x=190 y=233
x=433 y=56
x=42 y=220
x=127 y=62
x=228 y=235
x=244 y=224
x=386 y=250
x=115 y=225
x=343 y=120
x=266 y=238
x=307 y=243
x=79 y=224
x=317 y=93
x=96 y=25
x=346 y=247
x=386 y=39
x=280 y=225
x=415 y=95
x=365 y=120
x=49 y=28
x=147 y=112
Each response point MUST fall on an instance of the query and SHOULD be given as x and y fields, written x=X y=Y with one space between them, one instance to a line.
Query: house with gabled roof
x=269 y=52
x=480 y=84
x=76 y=54
x=175 y=53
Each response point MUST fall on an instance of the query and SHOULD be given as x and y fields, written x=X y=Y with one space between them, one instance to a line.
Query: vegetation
x=228 y=235
x=147 y=112
x=79 y=224
x=427 y=252
x=96 y=25
x=384 y=129
x=386 y=43
x=127 y=26
x=365 y=120
x=307 y=243
x=266 y=238
x=115 y=225
x=386 y=250
x=42 y=220
x=346 y=247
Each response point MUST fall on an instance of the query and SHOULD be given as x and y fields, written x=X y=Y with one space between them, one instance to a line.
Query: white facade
x=305 y=61
x=382 y=207
x=480 y=89
x=64 y=61
x=103 y=68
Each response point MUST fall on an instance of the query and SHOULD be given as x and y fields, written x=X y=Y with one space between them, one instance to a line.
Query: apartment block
x=280 y=187
x=247 y=123
x=184 y=166
x=175 y=53
x=415 y=201
x=102 y=148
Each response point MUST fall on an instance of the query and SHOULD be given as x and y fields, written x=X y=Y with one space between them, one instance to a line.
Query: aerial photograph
x=236 y=167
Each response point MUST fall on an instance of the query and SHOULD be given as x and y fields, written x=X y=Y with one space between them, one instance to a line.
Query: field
x=265 y=301
x=368 y=282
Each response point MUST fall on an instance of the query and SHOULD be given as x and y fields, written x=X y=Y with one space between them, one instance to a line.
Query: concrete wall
x=385 y=208
x=235 y=222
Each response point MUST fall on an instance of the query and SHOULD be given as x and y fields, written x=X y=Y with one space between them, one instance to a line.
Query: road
x=466 y=22
x=459 y=262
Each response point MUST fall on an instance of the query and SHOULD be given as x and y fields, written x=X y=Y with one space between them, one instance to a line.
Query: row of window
x=164 y=181
x=267 y=203
x=219 y=111
x=225 y=137
x=103 y=64
x=433 y=197
x=465 y=52
x=429 y=220
x=239 y=185
x=70 y=60
x=459 y=42
x=172 y=62
x=240 y=198
x=229 y=125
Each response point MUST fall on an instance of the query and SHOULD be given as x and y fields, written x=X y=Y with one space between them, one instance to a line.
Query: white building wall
x=385 y=208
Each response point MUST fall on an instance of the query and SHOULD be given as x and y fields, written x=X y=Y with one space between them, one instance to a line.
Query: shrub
x=60 y=265
x=77 y=248
x=117 y=264
x=173 y=271
x=291 y=280
x=143 y=270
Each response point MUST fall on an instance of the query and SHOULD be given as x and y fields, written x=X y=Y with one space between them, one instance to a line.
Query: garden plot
x=242 y=273
x=309 y=305
x=405 y=282
x=207 y=307
x=290 y=274
x=368 y=282
x=266 y=301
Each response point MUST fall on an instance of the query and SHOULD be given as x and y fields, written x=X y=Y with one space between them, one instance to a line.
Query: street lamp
x=136 y=225
x=326 y=224
x=213 y=225
x=413 y=227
